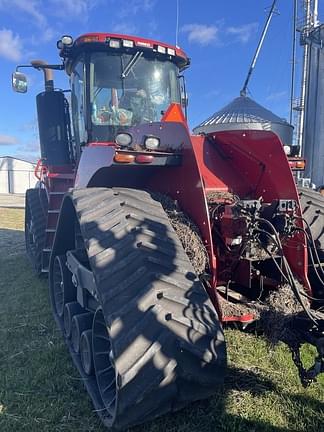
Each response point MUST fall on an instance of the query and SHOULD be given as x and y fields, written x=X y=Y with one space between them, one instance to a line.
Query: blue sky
x=219 y=36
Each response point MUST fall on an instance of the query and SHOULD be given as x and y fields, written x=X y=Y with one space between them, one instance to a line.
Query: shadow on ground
x=41 y=391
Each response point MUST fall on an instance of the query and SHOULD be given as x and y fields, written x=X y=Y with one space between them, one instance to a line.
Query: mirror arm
x=47 y=69
x=40 y=67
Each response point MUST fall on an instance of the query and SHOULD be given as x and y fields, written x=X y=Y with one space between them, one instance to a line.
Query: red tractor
x=153 y=238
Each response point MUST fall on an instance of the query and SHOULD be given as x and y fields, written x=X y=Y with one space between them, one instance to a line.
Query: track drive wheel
x=35 y=225
x=157 y=343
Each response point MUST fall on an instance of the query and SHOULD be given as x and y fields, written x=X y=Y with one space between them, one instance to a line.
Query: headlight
x=124 y=139
x=151 y=143
x=67 y=40
x=287 y=150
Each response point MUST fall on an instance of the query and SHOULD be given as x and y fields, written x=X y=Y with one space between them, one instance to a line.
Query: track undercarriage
x=138 y=322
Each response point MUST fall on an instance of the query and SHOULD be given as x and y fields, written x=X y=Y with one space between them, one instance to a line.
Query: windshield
x=127 y=90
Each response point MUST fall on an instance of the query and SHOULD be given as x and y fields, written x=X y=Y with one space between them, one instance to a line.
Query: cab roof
x=124 y=43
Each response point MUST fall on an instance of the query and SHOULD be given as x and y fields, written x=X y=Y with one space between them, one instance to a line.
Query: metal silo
x=313 y=130
x=244 y=113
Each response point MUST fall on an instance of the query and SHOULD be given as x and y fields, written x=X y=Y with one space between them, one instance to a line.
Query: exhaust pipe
x=48 y=73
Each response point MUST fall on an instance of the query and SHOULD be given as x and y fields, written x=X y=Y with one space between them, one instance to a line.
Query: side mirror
x=19 y=82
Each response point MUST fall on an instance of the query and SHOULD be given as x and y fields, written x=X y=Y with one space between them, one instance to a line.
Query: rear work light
x=161 y=49
x=124 y=158
x=128 y=43
x=114 y=43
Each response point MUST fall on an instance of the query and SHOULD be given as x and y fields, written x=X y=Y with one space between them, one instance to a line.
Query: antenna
x=293 y=64
x=177 y=24
x=257 y=52
x=315 y=14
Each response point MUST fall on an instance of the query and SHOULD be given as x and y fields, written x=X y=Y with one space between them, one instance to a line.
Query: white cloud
x=10 y=45
x=212 y=94
x=125 y=28
x=276 y=95
x=72 y=9
x=30 y=147
x=31 y=10
x=200 y=33
x=7 y=140
x=133 y=7
x=243 y=33
x=30 y=7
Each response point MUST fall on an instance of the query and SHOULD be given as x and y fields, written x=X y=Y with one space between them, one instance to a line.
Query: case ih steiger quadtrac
x=153 y=238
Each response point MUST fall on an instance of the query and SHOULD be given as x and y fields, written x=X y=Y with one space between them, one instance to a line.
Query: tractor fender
x=182 y=183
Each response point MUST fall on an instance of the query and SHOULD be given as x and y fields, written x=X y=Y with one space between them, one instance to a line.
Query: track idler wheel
x=63 y=289
x=103 y=363
x=70 y=309
x=78 y=325
x=86 y=352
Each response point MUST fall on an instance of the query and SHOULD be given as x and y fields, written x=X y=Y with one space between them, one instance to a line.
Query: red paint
x=92 y=159
x=252 y=164
x=40 y=169
x=249 y=318
x=185 y=185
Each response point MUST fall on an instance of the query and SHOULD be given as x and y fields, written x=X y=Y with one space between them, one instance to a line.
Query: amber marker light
x=297 y=165
x=90 y=39
x=124 y=158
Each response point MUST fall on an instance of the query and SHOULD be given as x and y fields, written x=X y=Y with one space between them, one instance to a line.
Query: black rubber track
x=313 y=211
x=35 y=226
x=167 y=344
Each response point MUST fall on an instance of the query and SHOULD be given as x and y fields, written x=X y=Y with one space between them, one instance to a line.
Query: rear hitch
x=306 y=333
x=307 y=376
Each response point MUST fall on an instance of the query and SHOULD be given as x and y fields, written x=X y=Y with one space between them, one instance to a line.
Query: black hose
x=312 y=256
x=312 y=241
x=288 y=271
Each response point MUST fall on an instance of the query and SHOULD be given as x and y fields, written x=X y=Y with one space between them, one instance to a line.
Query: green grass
x=41 y=391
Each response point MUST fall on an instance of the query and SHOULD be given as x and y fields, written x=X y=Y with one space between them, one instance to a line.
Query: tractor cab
x=117 y=82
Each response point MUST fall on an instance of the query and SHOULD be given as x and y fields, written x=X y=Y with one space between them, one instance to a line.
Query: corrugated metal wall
x=313 y=137
x=16 y=175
